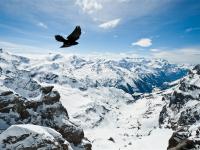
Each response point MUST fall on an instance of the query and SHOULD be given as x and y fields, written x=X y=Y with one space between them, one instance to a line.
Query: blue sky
x=166 y=29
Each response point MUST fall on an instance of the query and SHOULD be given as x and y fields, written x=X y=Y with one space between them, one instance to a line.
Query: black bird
x=71 y=39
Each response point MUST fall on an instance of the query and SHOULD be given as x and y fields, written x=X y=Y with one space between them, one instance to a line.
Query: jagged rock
x=0 y=71
x=189 y=116
x=46 y=112
x=197 y=68
x=30 y=103
x=6 y=93
x=111 y=139
x=182 y=114
x=177 y=138
x=163 y=115
x=185 y=138
x=47 y=89
x=179 y=99
x=48 y=77
x=32 y=137
x=183 y=103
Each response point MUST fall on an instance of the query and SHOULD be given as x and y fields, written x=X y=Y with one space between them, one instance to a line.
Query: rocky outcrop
x=24 y=101
x=47 y=111
x=182 y=112
x=32 y=137
x=185 y=138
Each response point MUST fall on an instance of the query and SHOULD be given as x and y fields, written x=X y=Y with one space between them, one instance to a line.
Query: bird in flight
x=71 y=39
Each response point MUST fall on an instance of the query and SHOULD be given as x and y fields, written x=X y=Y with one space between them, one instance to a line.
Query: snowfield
x=116 y=101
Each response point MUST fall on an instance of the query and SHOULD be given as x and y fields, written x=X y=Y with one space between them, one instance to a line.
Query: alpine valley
x=77 y=102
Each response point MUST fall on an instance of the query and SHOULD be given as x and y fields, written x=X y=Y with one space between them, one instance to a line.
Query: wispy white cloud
x=144 y=42
x=110 y=24
x=89 y=13
x=89 y=6
x=103 y=10
x=185 y=55
x=192 y=29
x=41 y=24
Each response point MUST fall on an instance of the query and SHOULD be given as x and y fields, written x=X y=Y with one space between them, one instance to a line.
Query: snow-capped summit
x=126 y=73
x=117 y=103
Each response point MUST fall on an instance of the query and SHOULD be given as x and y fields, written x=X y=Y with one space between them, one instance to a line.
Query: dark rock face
x=178 y=100
x=47 y=89
x=184 y=101
x=163 y=115
x=182 y=114
x=197 y=68
x=180 y=140
x=111 y=139
x=48 y=78
x=47 y=112
x=189 y=116
x=32 y=137
x=30 y=103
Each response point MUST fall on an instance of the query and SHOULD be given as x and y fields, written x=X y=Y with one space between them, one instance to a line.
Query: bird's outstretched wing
x=75 y=34
x=59 y=38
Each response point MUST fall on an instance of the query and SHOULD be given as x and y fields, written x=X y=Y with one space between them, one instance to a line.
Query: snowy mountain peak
x=129 y=74
x=118 y=103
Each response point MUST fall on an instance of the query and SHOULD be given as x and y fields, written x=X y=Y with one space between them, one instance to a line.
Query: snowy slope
x=109 y=98
x=24 y=101
x=126 y=73
x=132 y=126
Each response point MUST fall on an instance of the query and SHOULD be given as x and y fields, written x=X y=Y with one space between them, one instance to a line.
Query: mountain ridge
x=130 y=104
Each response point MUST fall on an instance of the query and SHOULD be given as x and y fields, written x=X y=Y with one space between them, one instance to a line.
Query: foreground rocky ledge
x=47 y=112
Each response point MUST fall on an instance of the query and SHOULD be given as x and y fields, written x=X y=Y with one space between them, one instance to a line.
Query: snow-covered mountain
x=126 y=73
x=182 y=112
x=25 y=101
x=28 y=136
x=123 y=103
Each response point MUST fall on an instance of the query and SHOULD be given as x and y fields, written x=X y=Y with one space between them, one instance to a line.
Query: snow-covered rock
x=48 y=111
x=185 y=138
x=126 y=73
x=107 y=98
x=28 y=136
x=181 y=112
x=183 y=102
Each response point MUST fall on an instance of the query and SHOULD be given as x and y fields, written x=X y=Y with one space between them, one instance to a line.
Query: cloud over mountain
x=144 y=42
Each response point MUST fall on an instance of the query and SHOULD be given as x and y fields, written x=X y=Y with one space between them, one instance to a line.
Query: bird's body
x=71 y=39
x=68 y=44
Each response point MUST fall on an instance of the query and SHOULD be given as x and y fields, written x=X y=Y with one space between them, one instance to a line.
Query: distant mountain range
x=74 y=102
x=129 y=74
